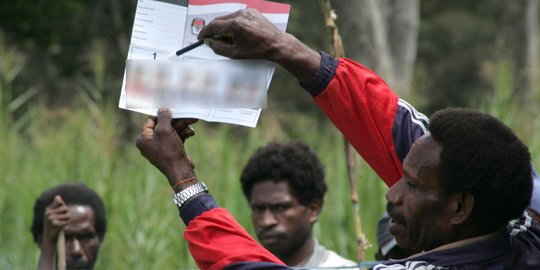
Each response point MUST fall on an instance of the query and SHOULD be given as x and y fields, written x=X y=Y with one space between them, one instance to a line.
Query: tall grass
x=144 y=229
x=84 y=144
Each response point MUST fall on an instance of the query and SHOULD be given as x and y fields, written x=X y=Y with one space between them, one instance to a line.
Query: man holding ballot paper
x=458 y=192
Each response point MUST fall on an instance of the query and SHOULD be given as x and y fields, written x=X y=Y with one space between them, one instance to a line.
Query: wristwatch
x=181 y=197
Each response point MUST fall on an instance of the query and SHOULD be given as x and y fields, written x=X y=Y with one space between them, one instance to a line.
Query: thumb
x=164 y=116
x=58 y=199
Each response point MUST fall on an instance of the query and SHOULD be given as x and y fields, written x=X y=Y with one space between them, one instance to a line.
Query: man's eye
x=410 y=184
x=86 y=237
x=257 y=209
x=280 y=207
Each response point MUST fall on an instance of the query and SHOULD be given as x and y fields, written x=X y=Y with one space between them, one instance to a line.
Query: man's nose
x=394 y=195
x=76 y=248
x=267 y=219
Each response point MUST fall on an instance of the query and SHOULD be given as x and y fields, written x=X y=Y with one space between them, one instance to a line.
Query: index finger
x=182 y=123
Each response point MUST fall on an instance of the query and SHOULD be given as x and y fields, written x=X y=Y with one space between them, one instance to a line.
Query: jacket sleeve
x=217 y=241
x=367 y=112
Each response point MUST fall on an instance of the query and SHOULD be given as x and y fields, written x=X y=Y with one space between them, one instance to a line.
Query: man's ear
x=314 y=210
x=463 y=203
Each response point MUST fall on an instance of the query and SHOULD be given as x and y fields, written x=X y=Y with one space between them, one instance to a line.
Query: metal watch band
x=181 y=197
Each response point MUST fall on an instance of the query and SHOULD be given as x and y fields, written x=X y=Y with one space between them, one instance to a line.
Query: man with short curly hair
x=79 y=211
x=284 y=185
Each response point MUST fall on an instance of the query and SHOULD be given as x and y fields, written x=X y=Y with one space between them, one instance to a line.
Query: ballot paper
x=198 y=84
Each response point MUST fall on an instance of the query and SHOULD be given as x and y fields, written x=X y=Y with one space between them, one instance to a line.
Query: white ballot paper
x=199 y=84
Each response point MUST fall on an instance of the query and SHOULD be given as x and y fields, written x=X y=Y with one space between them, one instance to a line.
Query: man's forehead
x=82 y=218
x=426 y=138
x=81 y=209
x=271 y=191
x=424 y=152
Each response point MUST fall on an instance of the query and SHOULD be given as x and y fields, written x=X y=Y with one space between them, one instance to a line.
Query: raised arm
x=215 y=239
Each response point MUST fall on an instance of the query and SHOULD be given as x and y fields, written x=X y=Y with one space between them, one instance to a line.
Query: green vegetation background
x=84 y=145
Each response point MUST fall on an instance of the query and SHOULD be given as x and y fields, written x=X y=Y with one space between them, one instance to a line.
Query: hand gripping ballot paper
x=199 y=83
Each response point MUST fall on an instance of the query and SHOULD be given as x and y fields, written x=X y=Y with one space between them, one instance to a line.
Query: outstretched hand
x=161 y=144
